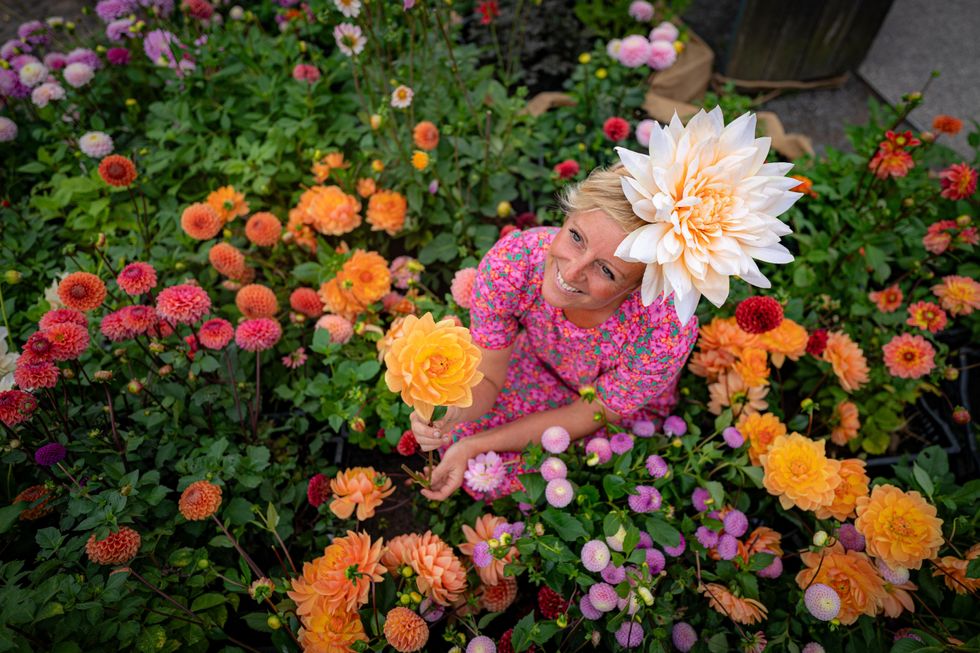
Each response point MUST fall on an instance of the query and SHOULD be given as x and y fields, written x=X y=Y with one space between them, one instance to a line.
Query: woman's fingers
x=428 y=437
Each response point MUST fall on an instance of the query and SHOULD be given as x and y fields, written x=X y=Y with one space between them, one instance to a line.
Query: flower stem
x=254 y=567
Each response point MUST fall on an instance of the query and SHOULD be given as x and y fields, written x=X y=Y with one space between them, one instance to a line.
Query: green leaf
x=533 y=486
x=205 y=601
x=9 y=514
x=239 y=511
x=49 y=539
x=724 y=420
x=272 y=516
x=755 y=474
x=307 y=272
x=661 y=532
x=923 y=479
x=803 y=276
x=717 y=492
x=568 y=527
x=973 y=569
x=521 y=637
x=718 y=643
x=441 y=248
x=615 y=486
x=367 y=370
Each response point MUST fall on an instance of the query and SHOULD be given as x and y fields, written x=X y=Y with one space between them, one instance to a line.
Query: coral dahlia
x=216 y=333
x=847 y=360
x=909 y=356
x=499 y=597
x=31 y=374
x=16 y=406
x=462 y=287
x=117 y=170
x=82 y=291
x=957 y=294
x=115 y=549
x=740 y=610
x=361 y=488
x=405 y=631
x=59 y=315
x=258 y=335
x=68 y=341
x=853 y=485
x=263 y=229
x=441 y=575
x=306 y=301
x=199 y=500
x=887 y=300
x=386 y=212
x=137 y=278
x=228 y=203
x=200 y=221
x=928 y=316
x=616 y=129
x=31 y=495
x=958 y=181
x=339 y=580
x=847 y=423
x=850 y=575
x=183 y=303
x=255 y=300
x=227 y=260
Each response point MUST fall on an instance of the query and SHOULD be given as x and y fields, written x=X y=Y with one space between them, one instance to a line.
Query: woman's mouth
x=571 y=290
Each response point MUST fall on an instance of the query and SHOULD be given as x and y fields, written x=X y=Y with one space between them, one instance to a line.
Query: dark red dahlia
x=504 y=645
x=817 y=342
x=550 y=603
x=318 y=490
x=759 y=314
x=407 y=445
x=526 y=220
x=38 y=346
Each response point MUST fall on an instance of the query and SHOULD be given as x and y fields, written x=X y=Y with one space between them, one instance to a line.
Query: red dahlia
x=116 y=549
x=759 y=314
x=117 y=170
x=567 y=169
x=550 y=603
x=505 y=646
x=616 y=129
x=817 y=342
x=407 y=445
x=318 y=490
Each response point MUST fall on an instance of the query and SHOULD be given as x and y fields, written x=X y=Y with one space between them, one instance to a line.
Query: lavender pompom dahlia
x=603 y=597
x=657 y=467
x=559 y=492
x=683 y=636
x=595 y=555
x=646 y=499
x=555 y=439
x=822 y=601
x=553 y=468
x=630 y=634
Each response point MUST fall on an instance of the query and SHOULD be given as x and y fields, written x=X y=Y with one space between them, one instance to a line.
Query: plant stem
x=234 y=392
x=254 y=567
x=112 y=421
x=255 y=411
x=3 y=312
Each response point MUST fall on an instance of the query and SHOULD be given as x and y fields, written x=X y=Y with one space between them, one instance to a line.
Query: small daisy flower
x=349 y=8
x=350 y=39
x=401 y=97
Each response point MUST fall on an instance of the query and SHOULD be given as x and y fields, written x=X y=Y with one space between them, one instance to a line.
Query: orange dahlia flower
x=897 y=599
x=426 y=135
x=200 y=221
x=361 y=488
x=953 y=571
x=394 y=333
x=731 y=390
x=227 y=260
x=853 y=485
x=339 y=580
x=441 y=575
x=82 y=291
x=760 y=429
x=306 y=301
x=958 y=295
x=850 y=574
x=805 y=186
x=228 y=203
x=901 y=528
x=761 y=540
x=263 y=229
x=740 y=610
x=366 y=277
x=29 y=496
x=711 y=364
x=887 y=300
x=753 y=367
x=909 y=356
x=329 y=210
x=399 y=551
x=331 y=632
x=797 y=470
x=386 y=211
x=366 y=187
x=405 y=630
x=483 y=532
x=847 y=361
x=727 y=335
x=947 y=124
x=297 y=231
x=332 y=161
x=199 y=500
x=337 y=300
x=115 y=548
x=433 y=364
x=256 y=300
x=788 y=340
x=847 y=423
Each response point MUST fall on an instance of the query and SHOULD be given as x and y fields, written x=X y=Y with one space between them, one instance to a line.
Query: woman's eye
x=575 y=235
x=606 y=271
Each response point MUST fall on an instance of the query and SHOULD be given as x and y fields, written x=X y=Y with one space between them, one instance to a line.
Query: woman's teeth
x=561 y=283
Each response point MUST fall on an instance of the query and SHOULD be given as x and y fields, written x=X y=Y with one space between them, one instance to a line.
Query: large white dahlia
x=711 y=201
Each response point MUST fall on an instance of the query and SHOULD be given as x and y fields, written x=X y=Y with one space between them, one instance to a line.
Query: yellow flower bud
x=375 y=121
x=584 y=58
x=676 y=443
x=820 y=538
x=130 y=102
x=377 y=165
x=646 y=595
x=494 y=543
x=504 y=209
x=405 y=599
x=592 y=460
x=416 y=597
x=12 y=277
x=678 y=47
x=601 y=73
x=302 y=46
x=273 y=622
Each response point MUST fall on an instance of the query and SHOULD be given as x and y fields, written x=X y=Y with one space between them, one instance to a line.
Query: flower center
x=79 y=292
x=438 y=364
x=366 y=276
x=799 y=468
x=900 y=526
x=703 y=221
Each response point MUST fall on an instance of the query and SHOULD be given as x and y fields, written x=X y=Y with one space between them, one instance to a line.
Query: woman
x=554 y=310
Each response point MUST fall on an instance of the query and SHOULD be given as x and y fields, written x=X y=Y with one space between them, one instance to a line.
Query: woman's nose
x=574 y=268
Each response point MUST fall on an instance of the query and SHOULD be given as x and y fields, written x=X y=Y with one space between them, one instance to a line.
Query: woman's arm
x=493 y=364
x=577 y=418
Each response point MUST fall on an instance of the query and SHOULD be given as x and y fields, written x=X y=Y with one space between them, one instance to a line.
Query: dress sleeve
x=651 y=361
x=503 y=290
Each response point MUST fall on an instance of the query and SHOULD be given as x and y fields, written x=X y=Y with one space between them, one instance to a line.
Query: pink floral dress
x=633 y=359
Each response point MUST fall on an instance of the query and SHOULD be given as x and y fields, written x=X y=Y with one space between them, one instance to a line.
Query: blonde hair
x=602 y=189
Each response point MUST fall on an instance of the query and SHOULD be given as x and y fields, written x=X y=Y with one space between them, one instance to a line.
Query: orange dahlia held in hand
x=433 y=364
x=199 y=500
x=405 y=631
x=115 y=549
x=361 y=488
x=901 y=528
x=797 y=470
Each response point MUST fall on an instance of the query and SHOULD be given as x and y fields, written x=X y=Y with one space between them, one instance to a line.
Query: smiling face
x=581 y=270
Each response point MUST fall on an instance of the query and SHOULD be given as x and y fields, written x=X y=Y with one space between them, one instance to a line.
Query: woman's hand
x=448 y=474
x=437 y=435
